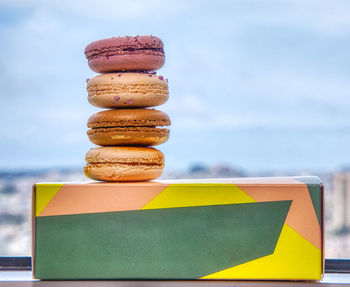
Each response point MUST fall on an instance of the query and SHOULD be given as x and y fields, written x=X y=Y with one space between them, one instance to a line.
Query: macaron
x=140 y=53
x=125 y=90
x=124 y=163
x=140 y=127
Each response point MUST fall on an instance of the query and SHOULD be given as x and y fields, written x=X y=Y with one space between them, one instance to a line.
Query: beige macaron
x=124 y=163
x=125 y=90
x=140 y=127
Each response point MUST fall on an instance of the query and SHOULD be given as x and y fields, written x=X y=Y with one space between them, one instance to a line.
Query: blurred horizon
x=258 y=85
x=192 y=168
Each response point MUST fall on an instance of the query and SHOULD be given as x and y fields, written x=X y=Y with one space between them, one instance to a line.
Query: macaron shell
x=147 y=155
x=128 y=117
x=140 y=53
x=115 y=172
x=123 y=44
x=124 y=163
x=126 y=63
x=125 y=90
x=139 y=136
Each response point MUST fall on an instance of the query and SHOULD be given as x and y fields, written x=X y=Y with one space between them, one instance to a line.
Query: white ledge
x=24 y=279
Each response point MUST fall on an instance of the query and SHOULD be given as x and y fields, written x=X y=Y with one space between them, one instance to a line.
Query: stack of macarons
x=128 y=87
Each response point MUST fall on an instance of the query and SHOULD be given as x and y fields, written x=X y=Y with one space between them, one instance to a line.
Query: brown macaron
x=136 y=127
x=124 y=163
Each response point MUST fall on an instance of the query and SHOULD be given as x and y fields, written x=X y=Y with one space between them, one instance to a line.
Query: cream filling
x=129 y=123
x=145 y=166
x=157 y=130
x=127 y=88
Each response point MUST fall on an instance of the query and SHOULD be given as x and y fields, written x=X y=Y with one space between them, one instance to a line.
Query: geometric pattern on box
x=296 y=252
x=98 y=197
x=313 y=185
x=44 y=195
x=302 y=216
x=182 y=195
x=294 y=257
x=184 y=242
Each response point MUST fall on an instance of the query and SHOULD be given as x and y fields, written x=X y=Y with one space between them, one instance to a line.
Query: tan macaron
x=124 y=163
x=140 y=127
x=125 y=90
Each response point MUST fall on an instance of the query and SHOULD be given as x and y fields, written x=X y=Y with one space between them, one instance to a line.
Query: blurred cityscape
x=16 y=187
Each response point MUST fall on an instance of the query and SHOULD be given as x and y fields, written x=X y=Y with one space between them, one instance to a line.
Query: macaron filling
x=129 y=129
x=122 y=162
x=116 y=51
x=128 y=123
x=95 y=90
x=149 y=164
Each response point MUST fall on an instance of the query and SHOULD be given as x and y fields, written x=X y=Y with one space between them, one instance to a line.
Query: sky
x=259 y=85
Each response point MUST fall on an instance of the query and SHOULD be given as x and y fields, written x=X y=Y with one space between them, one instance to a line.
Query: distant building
x=341 y=202
x=199 y=170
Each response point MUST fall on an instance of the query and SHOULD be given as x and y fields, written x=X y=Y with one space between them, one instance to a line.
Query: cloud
x=328 y=18
x=105 y=9
x=321 y=17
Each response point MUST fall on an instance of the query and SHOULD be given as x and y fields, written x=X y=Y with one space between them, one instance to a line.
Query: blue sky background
x=261 y=85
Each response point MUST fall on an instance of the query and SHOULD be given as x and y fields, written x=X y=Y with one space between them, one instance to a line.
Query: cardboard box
x=244 y=228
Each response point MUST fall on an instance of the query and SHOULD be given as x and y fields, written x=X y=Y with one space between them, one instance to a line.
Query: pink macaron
x=140 y=53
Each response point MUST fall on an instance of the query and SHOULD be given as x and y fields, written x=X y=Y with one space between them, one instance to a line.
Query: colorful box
x=244 y=228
